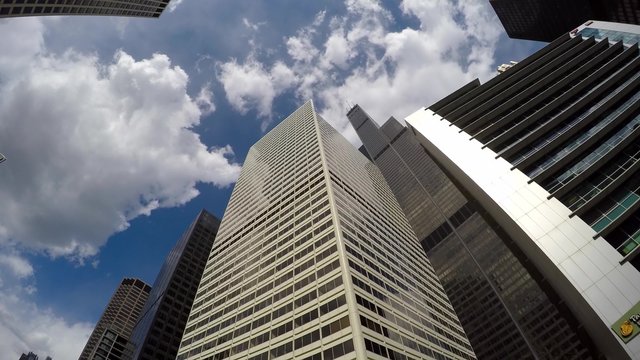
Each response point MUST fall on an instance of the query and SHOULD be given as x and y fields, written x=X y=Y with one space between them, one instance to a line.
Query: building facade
x=137 y=8
x=158 y=333
x=315 y=260
x=109 y=339
x=545 y=20
x=550 y=150
x=31 y=356
x=506 y=308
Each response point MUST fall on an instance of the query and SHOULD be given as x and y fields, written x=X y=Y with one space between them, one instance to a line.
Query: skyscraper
x=550 y=149
x=314 y=259
x=545 y=20
x=159 y=330
x=31 y=356
x=109 y=339
x=494 y=292
x=137 y=8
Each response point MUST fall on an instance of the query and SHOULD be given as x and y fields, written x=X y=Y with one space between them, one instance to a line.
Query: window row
x=286 y=293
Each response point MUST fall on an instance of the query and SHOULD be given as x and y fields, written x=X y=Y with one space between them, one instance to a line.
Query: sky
x=117 y=131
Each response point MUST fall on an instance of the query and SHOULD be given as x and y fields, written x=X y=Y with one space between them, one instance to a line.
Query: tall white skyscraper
x=314 y=259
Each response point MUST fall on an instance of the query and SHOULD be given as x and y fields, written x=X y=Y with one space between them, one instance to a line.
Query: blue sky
x=119 y=130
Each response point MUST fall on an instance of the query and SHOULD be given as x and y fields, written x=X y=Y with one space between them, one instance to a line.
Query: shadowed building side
x=546 y=20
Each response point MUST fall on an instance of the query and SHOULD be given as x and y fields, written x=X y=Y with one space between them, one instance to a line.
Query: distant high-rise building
x=494 y=293
x=315 y=260
x=137 y=8
x=164 y=316
x=551 y=150
x=546 y=20
x=110 y=337
x=31 y=356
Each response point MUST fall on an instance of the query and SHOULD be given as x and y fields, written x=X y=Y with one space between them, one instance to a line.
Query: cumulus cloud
x=250 y=85
x=16 y=264
x=92 y=146
x=362 y=57
x=337 y=50
x=204 y=100
x=25 y=327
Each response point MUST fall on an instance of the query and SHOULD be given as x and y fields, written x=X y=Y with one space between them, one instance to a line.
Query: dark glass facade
x=568 y=117
x=138 y=8
x=545 y=20
x=158 y=333
x=505 y=306
x=110 y=336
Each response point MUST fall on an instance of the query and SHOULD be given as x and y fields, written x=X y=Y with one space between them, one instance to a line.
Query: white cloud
x=300 y=48
x=360 y=57
x=204 y=100
x=16 y=264
x=252 y=26
x=92 y=146
x=337 y=50
x=174 y=4
x=21 y=40
x=25 y=327
x=251 y=85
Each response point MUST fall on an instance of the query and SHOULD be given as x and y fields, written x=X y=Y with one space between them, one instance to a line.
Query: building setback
x=109 y=339
x=553 y=158
x=546 y=20
x=501 y=301
x=314 y=259
x=136 y=8
x=159 y=330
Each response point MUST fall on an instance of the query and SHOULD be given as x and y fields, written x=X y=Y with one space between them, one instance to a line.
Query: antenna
x=349 y=105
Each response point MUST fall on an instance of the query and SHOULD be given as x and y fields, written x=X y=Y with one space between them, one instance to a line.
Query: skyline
x=201 y=69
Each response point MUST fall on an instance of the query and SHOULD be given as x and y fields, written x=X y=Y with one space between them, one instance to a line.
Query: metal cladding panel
x=585 y=272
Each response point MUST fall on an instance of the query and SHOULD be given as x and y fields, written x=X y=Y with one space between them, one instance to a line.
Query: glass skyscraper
x=551 y=150
x=137 y=8
x=157 y=334
x=314 y=259
x=545 y=20
x=502 y=302
x=110 y=337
